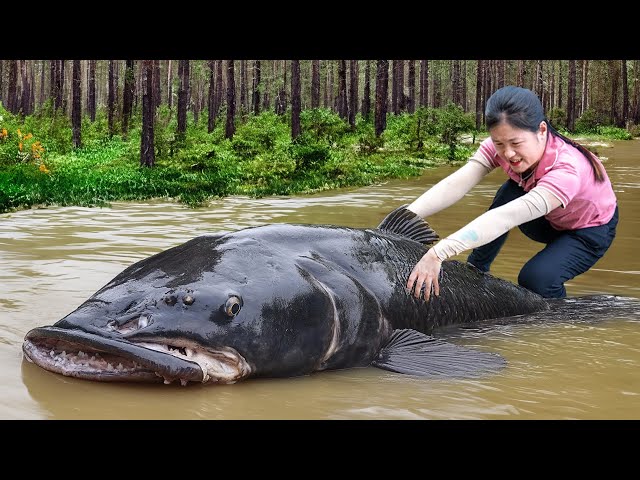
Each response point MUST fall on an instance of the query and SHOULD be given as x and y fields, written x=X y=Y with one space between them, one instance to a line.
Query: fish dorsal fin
x=408 y=224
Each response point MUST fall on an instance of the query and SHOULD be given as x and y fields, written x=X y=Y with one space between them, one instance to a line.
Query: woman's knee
x=542 y=280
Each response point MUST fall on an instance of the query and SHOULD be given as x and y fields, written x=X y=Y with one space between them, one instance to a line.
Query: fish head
x=216 y=309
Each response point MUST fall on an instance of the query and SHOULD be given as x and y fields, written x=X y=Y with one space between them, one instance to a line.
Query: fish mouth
x=80 y=354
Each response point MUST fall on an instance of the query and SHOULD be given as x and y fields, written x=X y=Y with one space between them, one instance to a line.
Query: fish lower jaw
x=223 y=366
x=74 y=359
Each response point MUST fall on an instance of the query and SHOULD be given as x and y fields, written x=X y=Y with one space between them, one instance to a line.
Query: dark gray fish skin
x=310 y=298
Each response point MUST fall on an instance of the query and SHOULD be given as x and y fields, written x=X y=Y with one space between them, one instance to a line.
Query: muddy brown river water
x=52 y=259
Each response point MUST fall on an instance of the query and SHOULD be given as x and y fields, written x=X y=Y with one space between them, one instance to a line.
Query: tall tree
x=127 y=95
x=424 y=83
x=315 y=83
x=91 y=94
x=635 y=115
x=353 y=92
x=585 y=91
x=501 y=73
x=76 y=104
x=243 y=87
x=59 y=99
x=255 y=96
x=395 y=89
x=624 y=118
x=219 y=88
x=479 y=94
x=111 y=101
x=402 y=101
x=147 y=149
x=571 y=96
x=183 y=97
x=12 y=94
x=157 y=91
x=25 y=100
x=295 y=99
x=366 y=96
x=211 y=120
x=411 y=100
x=1 y=81
x=382 y=88
x=230 y=128
x=343 y=106
x=170 y=85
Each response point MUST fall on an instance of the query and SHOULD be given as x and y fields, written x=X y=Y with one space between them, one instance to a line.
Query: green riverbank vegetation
x=281 y=140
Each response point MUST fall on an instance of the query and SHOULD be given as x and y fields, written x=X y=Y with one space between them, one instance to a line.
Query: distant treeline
x=607 y=91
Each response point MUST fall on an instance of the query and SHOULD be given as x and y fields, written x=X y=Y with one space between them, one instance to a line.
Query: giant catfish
x=279 y=300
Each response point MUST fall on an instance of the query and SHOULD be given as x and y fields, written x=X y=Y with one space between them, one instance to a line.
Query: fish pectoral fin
x=414 y=353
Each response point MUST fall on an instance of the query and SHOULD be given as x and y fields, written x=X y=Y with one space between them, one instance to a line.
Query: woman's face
x=522 y=148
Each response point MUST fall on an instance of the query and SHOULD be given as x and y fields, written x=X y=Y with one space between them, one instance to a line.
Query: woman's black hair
x=521 y=108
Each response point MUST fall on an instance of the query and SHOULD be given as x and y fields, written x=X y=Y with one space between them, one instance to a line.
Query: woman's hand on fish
x=426 y=272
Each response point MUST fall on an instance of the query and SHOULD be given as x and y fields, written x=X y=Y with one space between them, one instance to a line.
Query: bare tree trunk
x=327 y=85
x=243 y=88
x=183 y=98
x=76 y=105
x=560 y=84
x=266 y=101
x=25 y=99
x=552 y=86
x=343 y=107
x=219 y=88
x=382 y=87
x=315 y=83
x=230 y=129
x=170 y=85
x=538 y=80
x=614 y=75
x=1 y=81
x=60 y=104
x=255 y=96
x=211 y=120
x=501 y=64
x=456 y=83
x=411 y=105
x=521 y=73
x=424 y=83
x=41 y=100
x=91 y=97
x=353 y=92
x=127 y=95
x=157 y=90
x=571 y=96
x=366 y=96
x=295 y=99
x=402 y=101
x=147 y=150
x=624 y=118
x=585 y=98
x=395 y=89
x=636 y=92
x=111 y=108
x=12 y=94
x=479 y=94
x=281 y=98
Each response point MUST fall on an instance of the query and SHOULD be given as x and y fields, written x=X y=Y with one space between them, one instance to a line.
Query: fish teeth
x=143 y=321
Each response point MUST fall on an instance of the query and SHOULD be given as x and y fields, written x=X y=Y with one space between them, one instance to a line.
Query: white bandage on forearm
x=450 y=189
x=493 y=223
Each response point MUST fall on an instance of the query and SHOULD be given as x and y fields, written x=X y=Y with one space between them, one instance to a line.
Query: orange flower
x=43 y=169
x=20 y=146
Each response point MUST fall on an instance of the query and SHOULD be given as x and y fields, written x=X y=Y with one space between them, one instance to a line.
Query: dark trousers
x=567 y=254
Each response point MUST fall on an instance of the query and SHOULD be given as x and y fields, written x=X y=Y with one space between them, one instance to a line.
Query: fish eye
x=232 y=306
